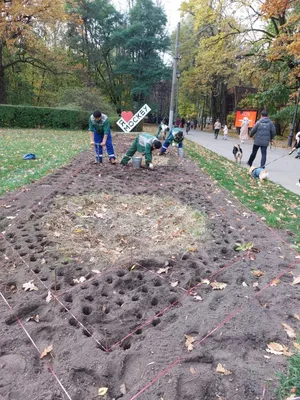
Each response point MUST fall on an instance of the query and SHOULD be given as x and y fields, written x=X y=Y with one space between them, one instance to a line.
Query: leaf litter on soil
x=112 y=227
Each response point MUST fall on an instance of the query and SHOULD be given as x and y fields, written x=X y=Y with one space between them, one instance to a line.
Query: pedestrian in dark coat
x=264 y=132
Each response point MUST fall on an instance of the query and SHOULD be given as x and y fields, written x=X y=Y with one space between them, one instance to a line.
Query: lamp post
x=291 y=135
x=178 y=74
x=171 y=111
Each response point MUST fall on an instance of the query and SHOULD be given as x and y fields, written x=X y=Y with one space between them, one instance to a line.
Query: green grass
x=53 y=148
x=290 y=380
x=278 y=206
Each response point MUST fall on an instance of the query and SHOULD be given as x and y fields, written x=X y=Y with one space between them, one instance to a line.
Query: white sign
x=127 y=126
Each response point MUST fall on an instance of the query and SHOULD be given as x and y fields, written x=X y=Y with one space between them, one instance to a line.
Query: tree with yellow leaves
x=24 y=26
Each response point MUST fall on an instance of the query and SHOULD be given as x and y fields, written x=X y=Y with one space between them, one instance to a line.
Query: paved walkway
x=283 y=169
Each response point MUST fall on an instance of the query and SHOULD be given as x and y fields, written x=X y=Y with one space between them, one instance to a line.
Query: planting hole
x=86 y=333
x=73 y=322
x=154 y=301
x=156 y=322
x=86 y=310
x=68 y=298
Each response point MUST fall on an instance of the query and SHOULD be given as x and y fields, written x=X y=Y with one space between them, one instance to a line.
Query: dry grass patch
x=110 y=227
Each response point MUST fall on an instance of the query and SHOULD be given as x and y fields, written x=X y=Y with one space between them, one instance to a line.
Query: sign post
x=128 y=125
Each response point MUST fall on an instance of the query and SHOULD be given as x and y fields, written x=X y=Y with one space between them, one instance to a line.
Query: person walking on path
x=263 y=132
x=217 y=127
x=244 y=130
x=99 y=131
x=225 y=132
x=188 y=126
x=143 y=143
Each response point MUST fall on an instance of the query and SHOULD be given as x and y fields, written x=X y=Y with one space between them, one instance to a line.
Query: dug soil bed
x=141 y=292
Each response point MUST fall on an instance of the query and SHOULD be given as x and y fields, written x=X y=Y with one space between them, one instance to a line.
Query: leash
x=276 y=159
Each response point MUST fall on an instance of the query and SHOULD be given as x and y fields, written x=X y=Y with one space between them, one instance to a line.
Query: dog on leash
x=259 y=173
x=238 y=153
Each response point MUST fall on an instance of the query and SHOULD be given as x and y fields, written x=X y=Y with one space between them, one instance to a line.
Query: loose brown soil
x=123 y=327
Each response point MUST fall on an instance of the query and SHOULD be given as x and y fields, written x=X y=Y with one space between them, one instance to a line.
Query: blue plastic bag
x=29 y=156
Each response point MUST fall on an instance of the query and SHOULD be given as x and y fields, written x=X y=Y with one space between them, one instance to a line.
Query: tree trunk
x=213 y=104
x=3 y=97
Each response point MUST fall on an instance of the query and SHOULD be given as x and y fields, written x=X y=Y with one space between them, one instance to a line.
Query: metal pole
x=171 y=112
x=177 y=97
x=291 y=135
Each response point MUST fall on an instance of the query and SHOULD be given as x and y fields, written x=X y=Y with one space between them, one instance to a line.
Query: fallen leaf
x=296 y=345
x=35 y=318
x=29 y=286
x=269 y=208
x=296 y=280
x=79 y=280
x=297 y=316
x=123 y=389
x=257 y=272
x=221 y=370
x=102 y=391
x=192 y=370
x=290 y=331
x=206 y=281
x=46 y=351
x=278 y=349
x=174 y=284
x=99 y=215
x=163 y=270
x=189 y=342
x=49 y=297
x=197 y=297
x=218 y=285
x=275 y=282
x=192 y=249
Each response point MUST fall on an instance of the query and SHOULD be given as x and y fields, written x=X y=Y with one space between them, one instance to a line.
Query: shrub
x=42 y=117
x=54 y=118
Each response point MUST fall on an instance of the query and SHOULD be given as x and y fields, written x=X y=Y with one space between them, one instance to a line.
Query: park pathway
x=283 y=169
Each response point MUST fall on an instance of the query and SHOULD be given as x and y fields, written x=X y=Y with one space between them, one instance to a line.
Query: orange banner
x=240 y=115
